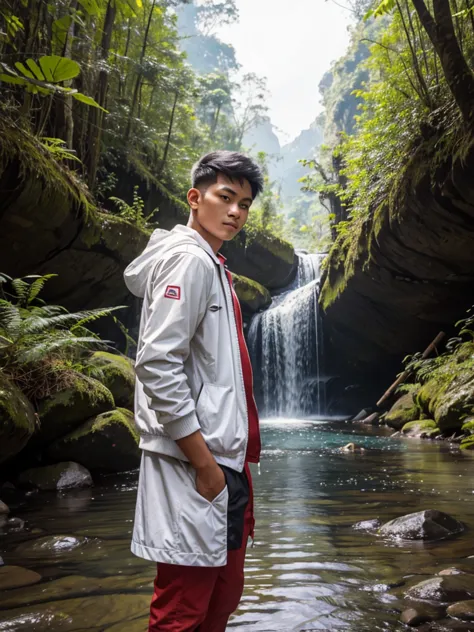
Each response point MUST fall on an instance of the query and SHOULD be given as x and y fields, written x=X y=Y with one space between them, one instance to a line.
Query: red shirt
x=253 y=445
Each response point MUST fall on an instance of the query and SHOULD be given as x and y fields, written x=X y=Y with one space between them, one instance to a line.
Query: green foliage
x=41 y=344
x=133 y=213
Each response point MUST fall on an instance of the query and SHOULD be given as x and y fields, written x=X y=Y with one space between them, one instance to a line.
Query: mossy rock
x=17 y=419
x=467 y=443
x=402 y=412
x=454 y=403
x=252 y=296
x=421 y=428
x=108 y=442
x=65 y=410
x=426 y=395
x=118 y=376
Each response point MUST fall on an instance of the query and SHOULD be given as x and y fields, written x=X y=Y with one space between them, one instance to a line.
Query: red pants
x=200 y=598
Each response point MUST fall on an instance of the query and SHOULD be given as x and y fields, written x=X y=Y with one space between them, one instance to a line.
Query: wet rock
x=462 y=610
x=17 y=577
x=423 y=525
x=420 y=429
x=15 y=524
x=403 y=411
x=71 y=615
x=50 y=545
x=444 y=589
x=17 y=419
x=66 y=410
x=451 y=571
x=420 y=614
x=107 y=442
x=67 y=475
x=367 y=525
x=4 y=508
x=118 y=375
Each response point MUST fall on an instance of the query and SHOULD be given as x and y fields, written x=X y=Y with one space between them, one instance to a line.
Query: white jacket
x=189 y=377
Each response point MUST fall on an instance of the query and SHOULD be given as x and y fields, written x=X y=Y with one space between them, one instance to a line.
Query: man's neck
x=214 y=242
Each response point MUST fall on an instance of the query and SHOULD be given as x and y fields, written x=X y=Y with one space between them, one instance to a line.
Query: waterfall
x=285 y=346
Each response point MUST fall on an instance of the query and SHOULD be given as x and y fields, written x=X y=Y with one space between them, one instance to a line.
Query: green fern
x=39 y=343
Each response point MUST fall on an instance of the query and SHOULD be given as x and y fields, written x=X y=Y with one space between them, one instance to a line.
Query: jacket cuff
x=182 y=427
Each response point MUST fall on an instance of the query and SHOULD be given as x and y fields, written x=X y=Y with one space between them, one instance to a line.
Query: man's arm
x=165 y=345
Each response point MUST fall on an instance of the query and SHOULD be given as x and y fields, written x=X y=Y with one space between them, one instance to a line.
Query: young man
x=194 y=405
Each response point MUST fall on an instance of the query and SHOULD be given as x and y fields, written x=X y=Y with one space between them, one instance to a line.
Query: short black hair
x=232 y=164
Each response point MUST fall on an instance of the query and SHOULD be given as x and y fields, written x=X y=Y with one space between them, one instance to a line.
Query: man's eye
x=245 y=207
x=225 y=197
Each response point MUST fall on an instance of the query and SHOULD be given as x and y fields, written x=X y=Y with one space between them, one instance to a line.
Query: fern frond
x=37 y=286
x=48 y=345
x=95 y=314
x=10 y=318
x=39 y=324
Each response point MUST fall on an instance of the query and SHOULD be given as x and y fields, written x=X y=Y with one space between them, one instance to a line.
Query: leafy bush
x=42 y=347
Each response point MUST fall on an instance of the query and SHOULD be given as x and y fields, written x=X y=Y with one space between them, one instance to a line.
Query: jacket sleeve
x=172 y=318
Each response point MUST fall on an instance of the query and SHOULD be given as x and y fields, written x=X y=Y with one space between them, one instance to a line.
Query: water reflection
x=309 y=570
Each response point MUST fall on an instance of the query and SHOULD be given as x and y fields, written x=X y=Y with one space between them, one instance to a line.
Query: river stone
x=78 y=586
x=403 y=411
x=367 y=525
x=17 y=419
x=445 y=589
x=67 y=409
x=422 y=525
x=4 y=508
x=71 y=615
x=17 y=577
x=50 y=545
x=108 y=442
x=451 y=571
x=417 y=615
x=67 y=475
x=462 y=610
x=118 y=376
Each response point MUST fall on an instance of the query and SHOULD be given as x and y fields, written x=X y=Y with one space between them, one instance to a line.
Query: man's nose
x=234 y=210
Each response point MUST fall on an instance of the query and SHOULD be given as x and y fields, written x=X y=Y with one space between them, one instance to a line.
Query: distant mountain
x=284 y=167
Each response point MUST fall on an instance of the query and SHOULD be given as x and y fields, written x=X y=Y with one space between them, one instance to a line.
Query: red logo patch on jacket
x=173 y=291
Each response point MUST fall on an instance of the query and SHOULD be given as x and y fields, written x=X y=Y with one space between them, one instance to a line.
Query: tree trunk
x=441 y=32
x=170 y=130
x=96 y=117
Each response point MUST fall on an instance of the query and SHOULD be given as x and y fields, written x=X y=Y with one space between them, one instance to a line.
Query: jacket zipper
x=228 y=295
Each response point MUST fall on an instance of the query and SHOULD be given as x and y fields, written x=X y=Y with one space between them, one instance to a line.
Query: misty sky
x=292 y=43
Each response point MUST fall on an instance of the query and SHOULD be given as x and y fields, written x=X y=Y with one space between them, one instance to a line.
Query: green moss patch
x=421 y=428
x=107 y=442
x=62 y=412
x=252 y=296
x=402 y=412
x=118 y=375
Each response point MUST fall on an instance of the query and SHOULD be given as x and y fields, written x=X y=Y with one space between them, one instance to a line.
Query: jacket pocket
x=216 y=409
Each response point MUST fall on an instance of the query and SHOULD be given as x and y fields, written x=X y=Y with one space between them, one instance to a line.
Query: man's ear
x=194 y=197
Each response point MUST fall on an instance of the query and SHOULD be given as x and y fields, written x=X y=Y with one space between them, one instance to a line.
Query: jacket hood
x=136 y=273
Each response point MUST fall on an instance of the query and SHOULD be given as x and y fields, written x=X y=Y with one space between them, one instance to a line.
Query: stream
x=309 y=569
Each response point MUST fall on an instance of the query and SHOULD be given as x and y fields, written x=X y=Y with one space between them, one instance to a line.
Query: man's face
x=222 y=209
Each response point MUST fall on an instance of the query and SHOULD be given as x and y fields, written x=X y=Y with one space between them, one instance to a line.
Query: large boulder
x=118 y=375
x=61 y=476
x=17 y=419
x=267 y=259
x=422 y=525
x=402 y=411
x=108 y=442
x=253 y=297
x=462 y=610
x=17 y=577
x=444 y=589
x=63 y=411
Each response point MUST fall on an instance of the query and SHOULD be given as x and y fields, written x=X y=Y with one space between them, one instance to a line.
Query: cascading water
x=285 y=346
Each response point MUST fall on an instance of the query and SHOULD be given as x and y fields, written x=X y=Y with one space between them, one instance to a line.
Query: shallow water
x=309 y=569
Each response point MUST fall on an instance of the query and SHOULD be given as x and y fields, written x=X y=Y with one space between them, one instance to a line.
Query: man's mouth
x=231 y=225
